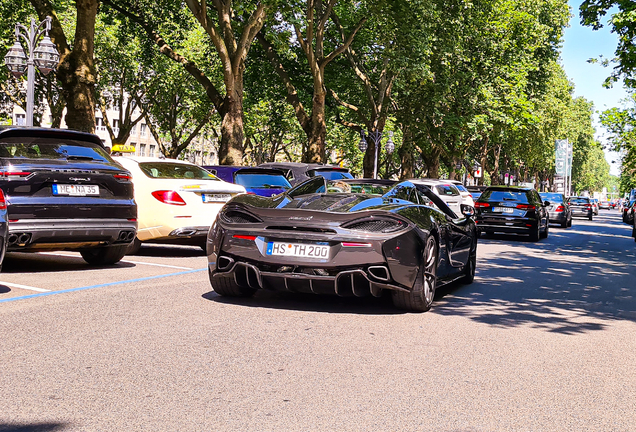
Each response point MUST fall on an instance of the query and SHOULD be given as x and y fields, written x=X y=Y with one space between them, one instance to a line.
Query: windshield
x=367 y=188
x=171 y=170
x=331 y=174
x=577 y=200
x=461 y=187
x=48 y=148
x=264 y=181
x=503 y=195
x=552 y=197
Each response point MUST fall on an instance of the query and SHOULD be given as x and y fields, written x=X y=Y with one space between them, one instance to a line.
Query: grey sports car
x=334 y=237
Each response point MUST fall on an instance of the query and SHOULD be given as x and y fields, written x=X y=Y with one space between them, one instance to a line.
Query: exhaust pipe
x=130 y=236
x=380 y=273
x=224 y=263
x=24 y=238
x=13 y=239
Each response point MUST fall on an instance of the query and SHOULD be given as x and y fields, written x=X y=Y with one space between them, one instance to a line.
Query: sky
x=580 y=44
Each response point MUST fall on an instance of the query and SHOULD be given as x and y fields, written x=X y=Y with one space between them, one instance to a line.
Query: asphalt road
x=544 y=340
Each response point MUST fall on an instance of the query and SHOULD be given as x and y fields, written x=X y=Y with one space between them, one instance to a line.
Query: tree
x=76 y=70
x=309 y=34
x=231 y=31
x=623 y=23
x=621 y=127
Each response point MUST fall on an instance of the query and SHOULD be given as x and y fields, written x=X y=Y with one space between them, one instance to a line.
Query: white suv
x=446 y=190
x=467 y=198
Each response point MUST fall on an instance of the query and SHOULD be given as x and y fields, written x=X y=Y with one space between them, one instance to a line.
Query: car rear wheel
x=226 y=286
x=104 y=255
x=471 y=265
x=134 y=247
x=535 y=234
x=590 y=217
x=570 y=222
x=546 y=231
x=420 y=298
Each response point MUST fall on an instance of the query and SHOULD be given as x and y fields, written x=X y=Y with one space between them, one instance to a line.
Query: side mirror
x=467 y=210
x=546 y=203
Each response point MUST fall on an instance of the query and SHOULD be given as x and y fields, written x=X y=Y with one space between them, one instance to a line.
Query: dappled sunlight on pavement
x=578 y=280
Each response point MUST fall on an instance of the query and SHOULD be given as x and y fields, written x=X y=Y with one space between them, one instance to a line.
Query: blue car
x=259 y=181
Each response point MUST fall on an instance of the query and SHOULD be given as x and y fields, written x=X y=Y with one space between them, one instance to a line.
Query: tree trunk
x=407 y=156
x=316 y=138
x=232 y=132
x=77 y=71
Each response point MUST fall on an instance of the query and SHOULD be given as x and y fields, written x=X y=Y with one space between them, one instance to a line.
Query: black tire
x=105 y=255
x=226 y=286
x=590 y=217
x=570 y=222
x=420 y=298
x=134 y=247
x=565 y=223
x=535 y=234
x=471 y=265
x=546 y=231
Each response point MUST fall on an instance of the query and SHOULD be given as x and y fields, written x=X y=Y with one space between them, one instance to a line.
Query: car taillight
x=3 y=201
x=526 y=207
x=244 y=237
x=481 y=204
x=15 y=174
x=587 y=206
x=122 y=177
x=559 y=209
x=168 y=197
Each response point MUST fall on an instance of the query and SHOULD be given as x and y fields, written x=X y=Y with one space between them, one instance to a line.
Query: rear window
x=265 y=181
x=461 y=188
x=579 y=200
x=503 y=195
x=169 y=170
x=330 y=174
x=446 y=190
x=48 y=148
x=552 y=197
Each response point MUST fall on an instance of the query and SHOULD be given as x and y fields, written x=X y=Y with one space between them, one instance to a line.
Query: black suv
x=512 y=209
x=64 y=192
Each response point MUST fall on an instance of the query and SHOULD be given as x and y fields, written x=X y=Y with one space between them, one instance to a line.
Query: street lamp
x=376 y=136
x=43 y=55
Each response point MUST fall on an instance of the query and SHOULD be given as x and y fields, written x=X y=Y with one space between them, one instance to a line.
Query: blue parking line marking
x=99 y=286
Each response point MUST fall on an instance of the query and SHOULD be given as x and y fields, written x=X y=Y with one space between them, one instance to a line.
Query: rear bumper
x=68 y=234
x=582 y=213
x=559 y=217
x=507 y=225
x=357 y=282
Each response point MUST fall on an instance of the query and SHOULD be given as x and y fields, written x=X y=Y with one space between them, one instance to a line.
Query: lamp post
x=376 y=136
x=43 y=55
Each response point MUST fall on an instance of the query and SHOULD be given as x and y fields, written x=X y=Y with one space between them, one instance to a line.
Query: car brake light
x=14 y=174
x=168 y=197
x=354 y=244
x=122 y=176
x=588 y=206
x=526 y=207
x=481 y=204
x=3 y=201
x=559 y=209
x=244 y=237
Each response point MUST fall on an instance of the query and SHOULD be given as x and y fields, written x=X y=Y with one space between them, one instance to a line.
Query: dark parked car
x=558 y=209
x=64 y=192
x=297 y=172
x=322 y=238
x=4 y=230
x=512 y=210
x=628 y=212
x=256 y=180
x=581 y=207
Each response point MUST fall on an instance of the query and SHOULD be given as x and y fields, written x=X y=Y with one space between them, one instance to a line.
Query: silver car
x=446 y=190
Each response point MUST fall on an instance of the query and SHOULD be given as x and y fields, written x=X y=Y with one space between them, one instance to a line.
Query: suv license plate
x=75 y=190
x=502 y=210
x=298 y=250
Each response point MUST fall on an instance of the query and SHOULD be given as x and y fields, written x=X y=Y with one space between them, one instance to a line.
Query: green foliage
x=623 y=23
x=621 y=126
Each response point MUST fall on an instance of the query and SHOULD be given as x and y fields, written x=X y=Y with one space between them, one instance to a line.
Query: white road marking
x=26 y=287
x=158 y=265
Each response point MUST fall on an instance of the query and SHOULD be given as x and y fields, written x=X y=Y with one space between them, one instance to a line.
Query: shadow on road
x=169 y=251
x=21 y=262
x=578 y=280
x=32 y=427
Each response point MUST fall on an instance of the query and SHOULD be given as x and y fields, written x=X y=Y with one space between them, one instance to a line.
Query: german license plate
x=502 y=209
x=216 y=197
x=298 y=250
x=75 y=190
